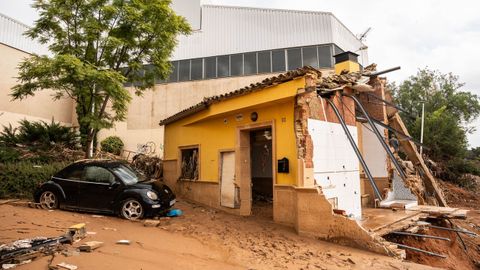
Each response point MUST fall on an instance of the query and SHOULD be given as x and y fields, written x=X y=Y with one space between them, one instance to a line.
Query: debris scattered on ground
x=65 y=265
x=77 y=232
x=90 y=245
x=123 y=242
x=174 y=213
x=152 y=167
x=109 y=229
x=151 y=223
x=70 y=252
x=29 y=249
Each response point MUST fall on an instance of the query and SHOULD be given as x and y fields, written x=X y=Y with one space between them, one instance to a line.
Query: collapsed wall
x=314 y=213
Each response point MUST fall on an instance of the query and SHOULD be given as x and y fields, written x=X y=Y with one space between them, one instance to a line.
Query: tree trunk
x=89 y=143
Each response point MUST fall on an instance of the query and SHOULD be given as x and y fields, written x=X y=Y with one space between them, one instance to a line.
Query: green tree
x=449 y=111
x=97 y=46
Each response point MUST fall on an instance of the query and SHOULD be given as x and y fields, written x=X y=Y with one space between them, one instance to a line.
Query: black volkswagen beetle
x=105 y=186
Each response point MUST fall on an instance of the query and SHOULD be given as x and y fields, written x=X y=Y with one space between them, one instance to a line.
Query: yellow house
x=279 y=149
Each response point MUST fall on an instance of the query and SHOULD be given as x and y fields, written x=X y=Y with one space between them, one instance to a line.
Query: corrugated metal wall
x=230 y=30
x=11 y=34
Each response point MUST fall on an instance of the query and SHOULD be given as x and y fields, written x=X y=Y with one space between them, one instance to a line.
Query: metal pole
x=379 y=136
x=453 y=230
x=422 y=235
x=421 y=130
x=355 y=148
x=421 y=250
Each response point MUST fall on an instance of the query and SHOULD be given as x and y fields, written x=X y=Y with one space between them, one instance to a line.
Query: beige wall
x=39 y=107
x=145 y=112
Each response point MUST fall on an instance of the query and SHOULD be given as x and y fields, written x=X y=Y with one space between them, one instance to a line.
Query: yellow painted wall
x=347 y=65
x=215 y=129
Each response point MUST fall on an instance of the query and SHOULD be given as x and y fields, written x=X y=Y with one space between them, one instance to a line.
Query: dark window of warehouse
x=294 y=58
x=184 y=70
x=310 y=56
x=278 y=60
x=236 y=68
x=139 y=74
x=210 y=67
x=264 y=62
x=197 y=69
x=250 y=63
x=174 y=72
x=325 y=56
x=337 y=49
x=223 y=66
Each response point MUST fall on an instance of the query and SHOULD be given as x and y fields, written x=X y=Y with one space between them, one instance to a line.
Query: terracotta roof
x=284 y=77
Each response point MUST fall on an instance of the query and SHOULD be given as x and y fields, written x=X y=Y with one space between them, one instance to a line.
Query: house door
x=227 y=188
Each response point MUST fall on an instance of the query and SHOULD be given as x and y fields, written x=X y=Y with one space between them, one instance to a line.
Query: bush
x=19 y=180
x=38 y=133
x=112 y=144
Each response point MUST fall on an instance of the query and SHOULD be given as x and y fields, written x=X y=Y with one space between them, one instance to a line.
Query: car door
x=98 y=189
x=69 y=180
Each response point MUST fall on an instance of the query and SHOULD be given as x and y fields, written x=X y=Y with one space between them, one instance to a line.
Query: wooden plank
x=89 y=246
x=413 y=155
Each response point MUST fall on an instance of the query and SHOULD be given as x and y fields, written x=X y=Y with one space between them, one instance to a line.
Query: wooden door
x=227 y=188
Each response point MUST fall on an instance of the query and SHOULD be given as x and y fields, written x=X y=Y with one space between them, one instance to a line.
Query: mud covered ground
x=201 y=239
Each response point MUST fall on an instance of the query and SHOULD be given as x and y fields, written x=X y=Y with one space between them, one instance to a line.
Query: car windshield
x=128 y=175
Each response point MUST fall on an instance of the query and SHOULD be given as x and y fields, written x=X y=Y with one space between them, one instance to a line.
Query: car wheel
x=48 y=200
x=131 y=209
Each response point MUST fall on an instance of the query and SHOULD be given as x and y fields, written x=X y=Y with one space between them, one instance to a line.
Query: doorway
x=261 y=171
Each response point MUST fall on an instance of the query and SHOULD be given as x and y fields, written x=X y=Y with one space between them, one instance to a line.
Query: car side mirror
x=114 y=184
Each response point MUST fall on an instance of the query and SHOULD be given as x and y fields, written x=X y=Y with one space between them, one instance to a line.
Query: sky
x=413 y=34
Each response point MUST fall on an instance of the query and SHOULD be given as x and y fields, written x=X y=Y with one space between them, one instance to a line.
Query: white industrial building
x=230 y=47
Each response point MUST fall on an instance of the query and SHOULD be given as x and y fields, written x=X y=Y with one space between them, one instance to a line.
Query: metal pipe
x=390 y=104
x=422 y=235
x=452 y=229
x=459 y=237
x=379 y=137
x=374 y=74
x=355 y=148
x=421 y=250
x=361 y=119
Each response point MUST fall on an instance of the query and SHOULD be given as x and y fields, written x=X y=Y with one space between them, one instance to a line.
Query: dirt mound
x=456 y=258
x=459 y=197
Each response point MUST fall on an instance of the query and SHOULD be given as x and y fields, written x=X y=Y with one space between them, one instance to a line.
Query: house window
x=196 y=72
x=310 y=56
x=210 y=67
x=184 y=70
x=325 y=56
x=174 y=75
x=278 y=60
x=236 y=65
x=294 y=57
x=250 y=63
x=189 y=166
x=264 y=62
x=223 y=66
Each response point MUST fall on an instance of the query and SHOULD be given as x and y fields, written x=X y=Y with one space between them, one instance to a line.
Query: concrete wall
x=39 y=107
x=336 y=167
x=146 y=111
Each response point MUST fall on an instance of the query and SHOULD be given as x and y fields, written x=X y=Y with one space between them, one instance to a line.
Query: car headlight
x=152 y=195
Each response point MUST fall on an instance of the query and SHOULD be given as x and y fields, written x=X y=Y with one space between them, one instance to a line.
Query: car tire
x=48 y=200
x=131 y=209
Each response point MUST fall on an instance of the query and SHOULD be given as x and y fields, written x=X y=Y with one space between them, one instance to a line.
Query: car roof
x=109 y=163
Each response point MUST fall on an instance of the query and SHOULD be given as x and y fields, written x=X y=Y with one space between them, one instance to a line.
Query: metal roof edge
x=269 y=9
x=15 y=20
x=344 y=26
